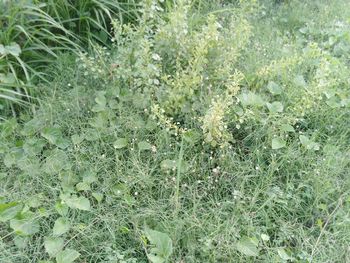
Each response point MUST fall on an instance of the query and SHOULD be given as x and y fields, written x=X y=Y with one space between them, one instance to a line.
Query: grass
x=207 y=132
x=37 y=32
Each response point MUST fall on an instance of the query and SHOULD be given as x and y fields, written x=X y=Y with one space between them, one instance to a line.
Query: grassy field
x=175 y=131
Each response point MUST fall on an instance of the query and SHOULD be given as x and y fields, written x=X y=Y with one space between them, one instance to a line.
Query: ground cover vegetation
x=174 y=131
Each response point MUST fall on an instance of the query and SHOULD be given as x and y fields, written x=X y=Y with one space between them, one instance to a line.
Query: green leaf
x=9 y=211
x=248 y=247
x=52 y=134
x=67 y=256
x=89 y=177
x=283 y=254
x=75 y=202
x=287 y=128
x=25 y=226
x=61 y=226
x=101 y=99
x=278 y=143
x=120 y=143
x=299 y=81
x=14 y=49
x=8 y=78
x=143 y=146
x=275 y=107
x=251 y=99
x=155 y=259
x=101 y=102
x=162 y=245
x=98 y=197
x=168 y=164
x=53 y=245
x=56 y=162
x=191 y=136
x=274 y=88
x=83 y=186
x=34 y=146
x=77 y=139
x=61 y=208
x=309 y=144
x=21 y=242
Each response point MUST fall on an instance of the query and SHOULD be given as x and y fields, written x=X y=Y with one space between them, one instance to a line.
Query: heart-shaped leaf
x=53 y=245
x=75 y=202
x=120 y=143
x=274 y=88
x=162 y=246
x=278 y=143
x=248 y=247
x=275 y=107
x=61 y=226
x=143 y=146
x=67 y=256
x=9 y=211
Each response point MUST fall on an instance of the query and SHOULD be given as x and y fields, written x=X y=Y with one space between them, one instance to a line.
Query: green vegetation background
x=174 y=131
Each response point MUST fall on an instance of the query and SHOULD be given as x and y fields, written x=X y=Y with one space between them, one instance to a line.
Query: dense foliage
x=175 y=131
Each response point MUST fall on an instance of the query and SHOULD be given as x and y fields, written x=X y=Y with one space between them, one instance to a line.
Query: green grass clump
x=208 y=132
x=34 y=33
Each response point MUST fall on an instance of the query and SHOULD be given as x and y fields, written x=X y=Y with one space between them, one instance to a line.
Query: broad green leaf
x=299 y=81
x=91 y=134
x=9 y=211
x=61 y=226
x=53 y=245
x=101 y=99
x=8 y=78
x=62 y=143
x=75 y=202
x=155 y=259
x=101 y=102
x=143 y=146
x=89 y=177
x=248 y=247
x=162 y=245
x=52 y=134
x=275 y=107
x=120 y=143
x=56 y=162
x=21 y=242
x=274 y=88
x=309 y=144
x=191 y=136
x=67 y=256
x=98 y=197
x=287 y=128
x=25 y=226
x=14 y=49
x=34 y=146
x=61 y=208
x=68 y=180
x=283 y=254
x=251 y=99
x=278 y=143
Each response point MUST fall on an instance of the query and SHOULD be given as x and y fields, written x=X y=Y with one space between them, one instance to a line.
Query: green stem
x=178 y=177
